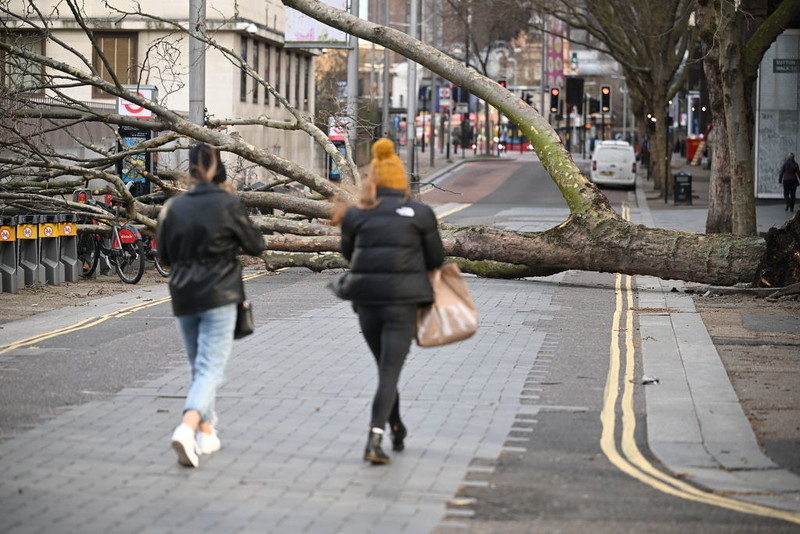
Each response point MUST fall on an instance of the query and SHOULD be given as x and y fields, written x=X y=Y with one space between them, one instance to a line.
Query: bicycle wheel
x=130 y=262
x=162 y=269
x=88 y=253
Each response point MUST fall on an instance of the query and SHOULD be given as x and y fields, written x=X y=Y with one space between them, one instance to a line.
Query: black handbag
x=244 y=320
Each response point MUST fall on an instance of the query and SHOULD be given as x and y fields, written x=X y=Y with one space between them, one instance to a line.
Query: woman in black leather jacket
x=199 y=234
x=391 y=243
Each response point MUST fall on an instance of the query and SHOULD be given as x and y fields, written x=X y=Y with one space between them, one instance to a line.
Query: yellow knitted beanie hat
x=386 y=169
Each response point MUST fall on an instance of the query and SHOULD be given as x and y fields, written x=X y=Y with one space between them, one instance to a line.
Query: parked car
x=614 y=163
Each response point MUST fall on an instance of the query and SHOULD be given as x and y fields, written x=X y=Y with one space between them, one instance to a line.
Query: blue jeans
x=208 y=339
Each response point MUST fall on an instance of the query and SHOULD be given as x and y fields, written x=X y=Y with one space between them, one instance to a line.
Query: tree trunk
x=718 y=219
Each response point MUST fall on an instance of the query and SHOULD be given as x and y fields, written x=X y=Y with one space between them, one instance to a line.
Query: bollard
x=9 y=266
x=28 y=249
x=68 y=233
x=50 y=250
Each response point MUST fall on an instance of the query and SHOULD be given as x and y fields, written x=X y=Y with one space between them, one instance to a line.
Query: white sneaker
x=185 y=445
x=208 y=443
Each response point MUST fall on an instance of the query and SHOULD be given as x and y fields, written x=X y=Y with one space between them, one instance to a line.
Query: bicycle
x=125 y=250
x=151 y=253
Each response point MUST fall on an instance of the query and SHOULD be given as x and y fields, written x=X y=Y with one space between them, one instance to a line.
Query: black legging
x=388 y=330
x=789 y=190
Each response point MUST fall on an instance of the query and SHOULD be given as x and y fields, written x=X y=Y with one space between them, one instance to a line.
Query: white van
x=614 y=163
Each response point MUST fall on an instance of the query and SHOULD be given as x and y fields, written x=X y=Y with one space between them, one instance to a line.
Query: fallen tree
x=593 y=238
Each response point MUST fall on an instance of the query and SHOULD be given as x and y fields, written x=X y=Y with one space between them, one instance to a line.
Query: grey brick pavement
x=294 y=414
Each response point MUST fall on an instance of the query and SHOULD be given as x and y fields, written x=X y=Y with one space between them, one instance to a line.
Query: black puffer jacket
x=199 y=235
x=390 y=249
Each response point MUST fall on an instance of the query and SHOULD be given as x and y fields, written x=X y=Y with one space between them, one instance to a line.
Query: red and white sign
x=131 y=109
x=48 y=231
x=5 y=234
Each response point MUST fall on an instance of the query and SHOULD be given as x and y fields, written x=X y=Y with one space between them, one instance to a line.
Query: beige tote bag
x=452 y=316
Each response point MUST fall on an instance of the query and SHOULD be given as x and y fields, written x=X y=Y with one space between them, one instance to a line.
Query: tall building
x=146 y=48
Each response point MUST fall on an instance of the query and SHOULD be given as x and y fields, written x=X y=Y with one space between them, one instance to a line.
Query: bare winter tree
x=594 y=237
x=735 y=37
x=649 y=40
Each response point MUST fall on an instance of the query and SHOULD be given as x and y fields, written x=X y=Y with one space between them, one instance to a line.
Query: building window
x=267 y=57
x=243 y=75
x=287 y=77
x=277 y=80
x=119 y=51
x=307 y=82
x=297 y=81
x=19 y=74
x=256 y=50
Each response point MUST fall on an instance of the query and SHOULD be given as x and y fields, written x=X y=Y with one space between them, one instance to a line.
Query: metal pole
x=411 y=120
x=625 y=111
x=197 y=61
x=386 y=81
x=352 y=81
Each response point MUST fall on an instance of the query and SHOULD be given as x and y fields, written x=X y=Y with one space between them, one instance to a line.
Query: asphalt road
x=560 y=480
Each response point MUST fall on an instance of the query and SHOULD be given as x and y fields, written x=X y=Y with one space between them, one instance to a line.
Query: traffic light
x=573 y=62
x=594 y=106
x=502 y=83
x=554 y=92
x=605 y=98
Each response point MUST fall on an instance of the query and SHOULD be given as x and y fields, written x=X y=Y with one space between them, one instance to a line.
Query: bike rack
x=28 y=249
x=68 y=235
x=50 y=249
x=10 y=275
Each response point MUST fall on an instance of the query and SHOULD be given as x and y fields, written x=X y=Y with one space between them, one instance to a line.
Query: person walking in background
x=790 y=178
x=199 y=234
x=391 y=242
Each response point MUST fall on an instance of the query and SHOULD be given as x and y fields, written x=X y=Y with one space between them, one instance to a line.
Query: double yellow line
x=618 y=397
x=93 y=321
x=80 y=325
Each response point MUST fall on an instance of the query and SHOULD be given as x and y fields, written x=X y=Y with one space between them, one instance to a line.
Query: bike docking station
x=38 y=250
x=29 y=253
x=11 y=276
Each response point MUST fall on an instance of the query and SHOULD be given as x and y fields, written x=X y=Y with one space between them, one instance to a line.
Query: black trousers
x=388 y=330
x=789 y=191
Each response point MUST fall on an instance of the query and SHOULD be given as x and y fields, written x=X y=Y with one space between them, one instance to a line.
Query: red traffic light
x=554 y=91
x=502 y=83
x=606 y=90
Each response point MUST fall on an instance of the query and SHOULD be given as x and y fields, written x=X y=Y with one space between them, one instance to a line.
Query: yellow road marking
x=631 y=460
x=452 y=211
x=94 y=321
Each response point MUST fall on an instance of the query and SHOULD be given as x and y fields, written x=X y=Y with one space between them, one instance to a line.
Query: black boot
x=373 y=453
x=399 y=434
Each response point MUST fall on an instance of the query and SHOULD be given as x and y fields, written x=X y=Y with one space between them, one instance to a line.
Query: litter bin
x=682 y=188
x=10 y=279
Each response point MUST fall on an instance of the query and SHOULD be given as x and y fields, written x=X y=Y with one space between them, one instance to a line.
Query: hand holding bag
x=452 y=316
x=244 y=320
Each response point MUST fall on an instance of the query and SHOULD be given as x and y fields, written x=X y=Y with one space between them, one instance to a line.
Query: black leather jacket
x=199 y=234
x=390 y=249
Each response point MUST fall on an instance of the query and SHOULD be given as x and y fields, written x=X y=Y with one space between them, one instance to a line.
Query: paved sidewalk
x=293 y=423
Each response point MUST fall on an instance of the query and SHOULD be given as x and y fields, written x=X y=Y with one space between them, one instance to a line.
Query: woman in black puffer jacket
x=391 y=242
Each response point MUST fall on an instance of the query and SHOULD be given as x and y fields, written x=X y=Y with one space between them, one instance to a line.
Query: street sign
x=462 y=107
x=445 y=101
x=131 y=109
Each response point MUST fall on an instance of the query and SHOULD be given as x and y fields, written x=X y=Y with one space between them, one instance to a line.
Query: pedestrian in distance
x=391 y=242
x=790 y=178
x=199 y=235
